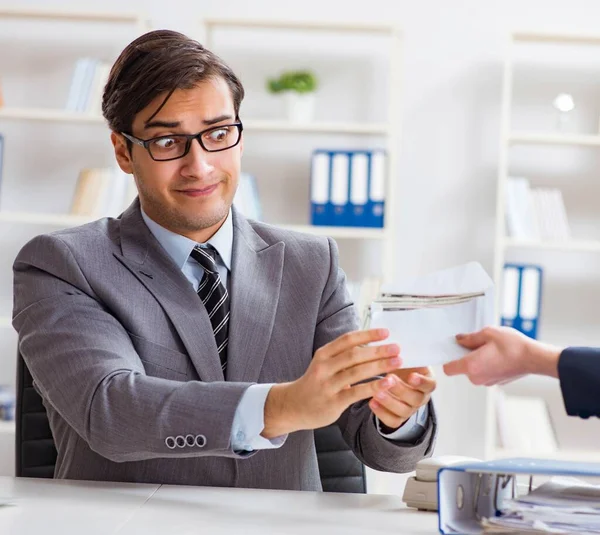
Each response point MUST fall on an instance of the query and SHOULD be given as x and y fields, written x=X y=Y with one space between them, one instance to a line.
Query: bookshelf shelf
x=540 y=37
x=66 y=220
x=301 y=25
x=42 y=14
x=58 y=220
x=48 y=114
x=566 y=245
x=340 y=232
x=324 y=127
x=532 y=138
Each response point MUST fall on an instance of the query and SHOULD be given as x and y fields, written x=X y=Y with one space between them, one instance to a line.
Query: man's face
x=191 y=195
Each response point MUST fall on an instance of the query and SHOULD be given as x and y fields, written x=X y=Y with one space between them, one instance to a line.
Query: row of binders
x=348 y=188
x=535 y=213
x=522 y=298
x=87 y=85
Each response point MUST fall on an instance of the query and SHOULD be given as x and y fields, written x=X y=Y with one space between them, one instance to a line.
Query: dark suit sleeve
x=337 y=316
x=579 y=374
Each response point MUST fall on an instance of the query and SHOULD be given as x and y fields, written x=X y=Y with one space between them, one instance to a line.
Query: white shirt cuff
x=249 y=422
x=411 y=430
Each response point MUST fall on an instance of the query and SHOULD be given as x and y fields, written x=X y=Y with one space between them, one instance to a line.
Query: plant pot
x=299 y=107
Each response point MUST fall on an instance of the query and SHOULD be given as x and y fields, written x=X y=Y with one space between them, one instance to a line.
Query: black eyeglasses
x=215 y=139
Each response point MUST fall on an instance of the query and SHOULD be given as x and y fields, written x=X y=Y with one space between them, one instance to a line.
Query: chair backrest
x=340 y=469
x=35 y=451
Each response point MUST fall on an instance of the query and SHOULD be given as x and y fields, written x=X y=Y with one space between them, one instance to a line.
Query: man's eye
x=166 y=142
x=218 y=135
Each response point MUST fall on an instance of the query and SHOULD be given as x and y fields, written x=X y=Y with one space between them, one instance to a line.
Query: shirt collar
x=180 y=247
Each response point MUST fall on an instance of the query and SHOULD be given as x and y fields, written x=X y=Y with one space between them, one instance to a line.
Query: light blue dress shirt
x=248 y=421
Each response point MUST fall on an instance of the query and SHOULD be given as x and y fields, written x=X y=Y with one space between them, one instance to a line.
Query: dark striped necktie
x=215 y=298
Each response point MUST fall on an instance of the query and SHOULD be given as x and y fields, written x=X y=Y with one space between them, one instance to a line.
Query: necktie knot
x=205 y=256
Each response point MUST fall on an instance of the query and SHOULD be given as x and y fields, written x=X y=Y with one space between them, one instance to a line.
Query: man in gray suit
x=182 y=343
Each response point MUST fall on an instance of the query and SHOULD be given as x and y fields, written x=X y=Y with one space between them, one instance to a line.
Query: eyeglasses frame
x=189 y=138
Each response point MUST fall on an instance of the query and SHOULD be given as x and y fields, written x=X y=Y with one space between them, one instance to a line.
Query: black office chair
x=35 y=453
x=339 y=468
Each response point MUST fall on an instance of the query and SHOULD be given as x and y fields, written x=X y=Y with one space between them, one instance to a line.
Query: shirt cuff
x=411 y=430
x=249 y=422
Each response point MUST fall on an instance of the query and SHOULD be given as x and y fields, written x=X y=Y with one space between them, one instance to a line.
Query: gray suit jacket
x=123 y=354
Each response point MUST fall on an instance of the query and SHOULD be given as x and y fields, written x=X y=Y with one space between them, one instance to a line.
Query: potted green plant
x=298 y=91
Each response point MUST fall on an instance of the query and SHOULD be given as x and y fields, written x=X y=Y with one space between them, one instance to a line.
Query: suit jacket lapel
x=153 y=267
x=256 y=273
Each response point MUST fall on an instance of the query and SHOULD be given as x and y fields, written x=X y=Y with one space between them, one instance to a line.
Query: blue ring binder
x=370 y=214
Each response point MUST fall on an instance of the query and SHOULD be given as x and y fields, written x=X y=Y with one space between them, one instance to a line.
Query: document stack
x=521 y=495
x=559 y=506
x=424 y=315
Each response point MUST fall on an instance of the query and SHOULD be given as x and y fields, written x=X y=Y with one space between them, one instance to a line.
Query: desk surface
x=75 y=507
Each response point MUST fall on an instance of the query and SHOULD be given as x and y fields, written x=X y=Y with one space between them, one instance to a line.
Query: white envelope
x=426 y=336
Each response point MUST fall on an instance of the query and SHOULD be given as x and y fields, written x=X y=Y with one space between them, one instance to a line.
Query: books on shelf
x=87 y=85
x=246 y=198
x=102 y=192
x=535 y=213
x=348 y=188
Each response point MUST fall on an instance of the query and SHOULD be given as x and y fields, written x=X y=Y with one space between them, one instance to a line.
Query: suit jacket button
x=180 y=441
x=200 y=441
x=170 y=442
x=190 y=440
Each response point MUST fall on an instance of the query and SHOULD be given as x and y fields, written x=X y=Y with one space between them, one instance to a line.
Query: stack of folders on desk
x=558 y=506
x=348 y=188
x=521 y=495
x=424 y=315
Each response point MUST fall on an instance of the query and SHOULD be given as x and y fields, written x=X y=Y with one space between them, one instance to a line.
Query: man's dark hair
x=157 y=62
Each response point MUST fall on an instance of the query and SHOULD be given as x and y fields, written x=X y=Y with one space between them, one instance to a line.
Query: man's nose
x=197 y=158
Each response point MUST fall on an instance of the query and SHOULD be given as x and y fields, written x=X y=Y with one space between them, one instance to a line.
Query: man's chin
x=195 y=222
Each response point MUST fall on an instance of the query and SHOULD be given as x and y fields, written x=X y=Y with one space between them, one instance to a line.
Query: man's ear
x=122 y=154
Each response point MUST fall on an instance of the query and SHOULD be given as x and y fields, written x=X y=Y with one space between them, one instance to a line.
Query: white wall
x=450 y=127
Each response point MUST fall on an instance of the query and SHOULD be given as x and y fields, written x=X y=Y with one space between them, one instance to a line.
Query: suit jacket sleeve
x=85 y=366
x=337 y=316
x=579 y=374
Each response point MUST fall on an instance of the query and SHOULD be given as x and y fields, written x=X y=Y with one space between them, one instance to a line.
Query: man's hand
x=502 y=354
x=332 y=382
x=412 y=389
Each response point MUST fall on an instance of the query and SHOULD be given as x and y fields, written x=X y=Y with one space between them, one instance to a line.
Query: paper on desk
x=425 y=328
x=558 y=506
